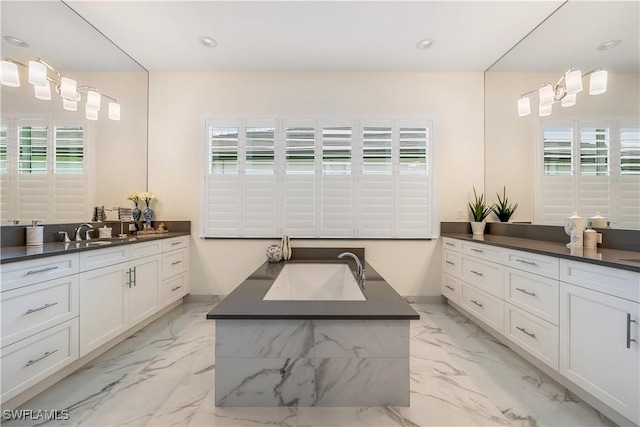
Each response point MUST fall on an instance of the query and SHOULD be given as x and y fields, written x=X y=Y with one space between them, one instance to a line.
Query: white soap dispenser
x=34 y=234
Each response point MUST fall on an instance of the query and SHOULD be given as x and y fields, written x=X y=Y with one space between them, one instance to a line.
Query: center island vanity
x=350 y=348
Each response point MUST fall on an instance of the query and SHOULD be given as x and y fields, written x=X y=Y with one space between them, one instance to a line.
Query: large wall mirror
x=522 y=153
x=45 y=175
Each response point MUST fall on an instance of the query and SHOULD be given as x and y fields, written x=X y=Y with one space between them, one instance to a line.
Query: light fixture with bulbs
x=65 y=86
x=565 y=91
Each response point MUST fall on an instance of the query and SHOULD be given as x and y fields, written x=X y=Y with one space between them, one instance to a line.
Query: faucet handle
x=87 y=236
x=65 y=237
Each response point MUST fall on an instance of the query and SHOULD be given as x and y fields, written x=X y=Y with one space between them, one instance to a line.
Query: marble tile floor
x=164 y=376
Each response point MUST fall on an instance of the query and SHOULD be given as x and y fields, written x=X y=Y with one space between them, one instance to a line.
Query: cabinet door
x=143 y=290
x=104 y=305
x=595 y=348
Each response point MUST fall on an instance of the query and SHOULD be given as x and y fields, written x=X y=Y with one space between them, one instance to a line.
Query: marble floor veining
x=164 y=376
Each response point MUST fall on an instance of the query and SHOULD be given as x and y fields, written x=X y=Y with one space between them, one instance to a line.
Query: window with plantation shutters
x=587 y=167
x=44 y=171
x=318 y=178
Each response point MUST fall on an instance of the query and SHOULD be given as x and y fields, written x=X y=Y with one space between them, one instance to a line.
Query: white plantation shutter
x=318 y=178
x=555 y=199
x=6 y=186
x=413 y=183
x=32 y=185
x=593 y=181
x=70 y=184
x=222 y=183
x=375 y=190
x=260 y=191
x=588 y=168
x=628 y=194
x=336 y=186
x=299 y=199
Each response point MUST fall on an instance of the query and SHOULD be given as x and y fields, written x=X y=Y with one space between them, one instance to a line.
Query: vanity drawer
x=536 y=294
x=538 y=337
x=487 y=276
x=452 y=263
x=31 y=309
x=487 y=252
x=141 y=250
x=451 y=288
x=90 y=260
x=174 y=288
x=486 y=307
x=452 y=244
x=534 y=263
x=23 y=273
x=31 y=360
x=173 y=263
x=175 y=243
x=611 y=281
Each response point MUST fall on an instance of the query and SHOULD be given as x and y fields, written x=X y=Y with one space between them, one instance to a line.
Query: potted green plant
x=503 y=209
x=479 y=211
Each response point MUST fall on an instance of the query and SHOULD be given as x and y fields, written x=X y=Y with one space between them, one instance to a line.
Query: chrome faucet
x=359 y=268
x=77 y=237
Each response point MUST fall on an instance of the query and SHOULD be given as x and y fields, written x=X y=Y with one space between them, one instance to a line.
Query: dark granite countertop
x=607 y=257
x=245 y=302
x=23 y=253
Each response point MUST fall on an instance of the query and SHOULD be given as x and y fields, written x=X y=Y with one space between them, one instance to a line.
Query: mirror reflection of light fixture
x=43 y=92
x=565 y=91
x=65 y=86
x=9 y=74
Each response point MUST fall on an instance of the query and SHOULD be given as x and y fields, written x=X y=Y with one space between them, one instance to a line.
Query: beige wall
x=509 y=138
x=181 y=102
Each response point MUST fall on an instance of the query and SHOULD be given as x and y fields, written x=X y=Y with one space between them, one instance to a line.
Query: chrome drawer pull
x=477 y=250
x=525 y=331
x=47 y=354
x=176 y=262
x=629 y=321
x=533 y=294
x=449 y=287
x=475 y=272
x=449 y=244
x=175 y=243
x=42 y=270
x=450 y=263
x=176 y=288
x=526 y=262
x=33 y=310
x=476 y=303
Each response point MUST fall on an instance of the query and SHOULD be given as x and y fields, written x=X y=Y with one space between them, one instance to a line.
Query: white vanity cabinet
x=582 y=320
x=39 y=320
x=115 y=297
x=175 y=272
x=600 y=339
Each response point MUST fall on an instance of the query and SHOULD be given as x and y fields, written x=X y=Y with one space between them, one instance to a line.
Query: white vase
x=477 y=228
x=286 y=248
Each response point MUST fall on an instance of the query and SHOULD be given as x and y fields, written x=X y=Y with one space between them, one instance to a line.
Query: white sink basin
x=315 y=282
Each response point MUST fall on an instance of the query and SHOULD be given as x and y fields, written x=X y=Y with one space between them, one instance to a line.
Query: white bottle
x=34 y=234
x=590 y=239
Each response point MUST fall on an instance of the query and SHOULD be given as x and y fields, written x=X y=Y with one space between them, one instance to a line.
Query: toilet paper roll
x=34 y=236
x=105 y=233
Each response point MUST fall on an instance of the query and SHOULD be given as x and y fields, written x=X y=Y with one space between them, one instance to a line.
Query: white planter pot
x=478 y=227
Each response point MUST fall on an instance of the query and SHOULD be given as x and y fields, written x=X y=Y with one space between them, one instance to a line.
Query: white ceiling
x=315 y=35
x=334 y=35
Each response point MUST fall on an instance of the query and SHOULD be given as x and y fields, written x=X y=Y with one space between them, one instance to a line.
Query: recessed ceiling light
x=424 y=44
x=609 y=45
x=16 y=41
x=208 y=41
